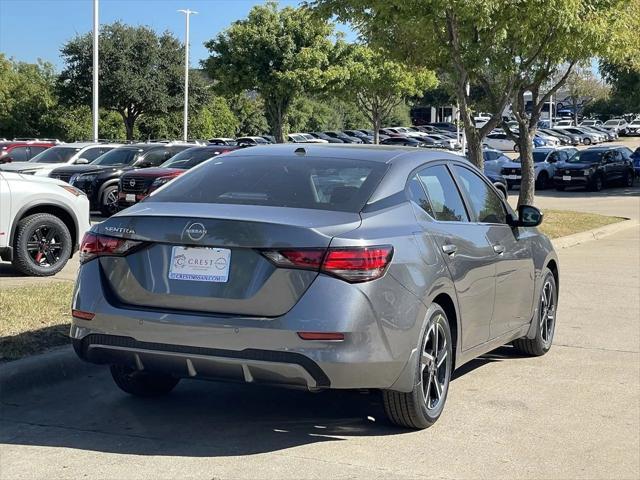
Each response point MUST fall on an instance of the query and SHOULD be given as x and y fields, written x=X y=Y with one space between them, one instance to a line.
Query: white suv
x=77 y=153
x=42 y=221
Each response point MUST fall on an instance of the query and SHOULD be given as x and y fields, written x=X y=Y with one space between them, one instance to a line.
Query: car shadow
x=198 y=419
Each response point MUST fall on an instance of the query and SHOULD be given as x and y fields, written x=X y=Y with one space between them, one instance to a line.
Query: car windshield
x=118 y=156
x=586 y=156
x=55 y=155
x=316 y=183
x=539 y=156
x=611 y=122
x=190 y=157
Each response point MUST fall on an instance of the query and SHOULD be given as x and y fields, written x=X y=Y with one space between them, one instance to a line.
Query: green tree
x=624 y=79
x=380 y=85
x=141 y=73
x=582 y=87
x=27 y=95
x=249 y=113
x=506 y=48
x=278 y=54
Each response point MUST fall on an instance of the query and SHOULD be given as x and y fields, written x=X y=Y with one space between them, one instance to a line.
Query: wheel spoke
x=426 y=387
x=441 y=358
x=50 y=233
x=438 y=388
x=38 y=234
x=50 y=257
x=33 y=246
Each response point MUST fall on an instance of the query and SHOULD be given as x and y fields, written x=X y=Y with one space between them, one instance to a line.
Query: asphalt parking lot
x=574 y=413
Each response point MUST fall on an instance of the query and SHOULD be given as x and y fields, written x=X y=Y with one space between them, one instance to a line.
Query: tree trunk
x=376 y=128
x=129 y=122
x=474 y=150
x=274 y=112
x=527 y=182
x=574 y=101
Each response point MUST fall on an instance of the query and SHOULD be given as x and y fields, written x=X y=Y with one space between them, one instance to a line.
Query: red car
x=22 y=151
x=137 y=184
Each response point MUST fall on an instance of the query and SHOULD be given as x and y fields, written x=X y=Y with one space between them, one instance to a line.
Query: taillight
x=353 y=264
x=357 y=264
x=94 y=245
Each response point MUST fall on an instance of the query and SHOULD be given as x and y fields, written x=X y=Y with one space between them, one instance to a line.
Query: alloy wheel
x=435 y=365
x=111 y=200
x=547 y=312
x=45 y=246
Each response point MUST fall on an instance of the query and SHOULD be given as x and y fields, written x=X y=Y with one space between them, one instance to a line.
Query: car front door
x=511 y=253
x=465 y=249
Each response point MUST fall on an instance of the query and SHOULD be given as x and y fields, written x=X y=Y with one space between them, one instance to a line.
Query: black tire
x=42 y=245
x=516 y=148
x=560 y=188
x=545 y=319
x=628 y=179
x=109 y=201
x=410 y=410
x=543 y=181
x=587 y=141
x=596 y=184
x=141 y=383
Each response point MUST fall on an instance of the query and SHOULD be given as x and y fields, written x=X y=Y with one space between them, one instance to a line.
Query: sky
x=33 y=29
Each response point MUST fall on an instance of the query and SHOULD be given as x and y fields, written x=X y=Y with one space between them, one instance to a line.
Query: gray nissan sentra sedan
x=316 y=266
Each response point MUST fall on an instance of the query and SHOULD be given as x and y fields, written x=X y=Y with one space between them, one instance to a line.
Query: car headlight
x=158 y=182
x=85 y=178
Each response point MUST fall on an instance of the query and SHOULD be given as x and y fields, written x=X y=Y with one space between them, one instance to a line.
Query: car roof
x=606 y=147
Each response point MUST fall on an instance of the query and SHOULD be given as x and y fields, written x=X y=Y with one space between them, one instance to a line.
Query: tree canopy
x=141 y=72
x=378 y=84
x=278 y=53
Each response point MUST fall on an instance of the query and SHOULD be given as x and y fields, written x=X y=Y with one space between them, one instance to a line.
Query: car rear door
x=511 y=254
x=465 y=248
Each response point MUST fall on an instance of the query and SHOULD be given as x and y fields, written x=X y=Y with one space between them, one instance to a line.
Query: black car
x=344 y=137
x=324 y=136
x=448 y=126
x=595 y=168
x=365 y=137
x=411 y=142
x=99 y=179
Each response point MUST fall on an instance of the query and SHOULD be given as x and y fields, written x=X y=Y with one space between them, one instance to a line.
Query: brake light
x=353 y=264
x=82 y=314
x=94 y=245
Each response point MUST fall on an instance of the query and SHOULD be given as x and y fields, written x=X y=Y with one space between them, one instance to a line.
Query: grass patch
x=560 y=223
x=34 y=318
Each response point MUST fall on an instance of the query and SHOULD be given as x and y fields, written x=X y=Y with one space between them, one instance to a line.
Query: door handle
x=499 y=249
x=449 y=249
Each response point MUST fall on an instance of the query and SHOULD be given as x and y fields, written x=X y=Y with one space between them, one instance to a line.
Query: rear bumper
x=249 y=365
x=380 y=330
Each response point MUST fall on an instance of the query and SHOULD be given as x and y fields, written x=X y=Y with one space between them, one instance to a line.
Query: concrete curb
x=595 y=234
x=53 y=366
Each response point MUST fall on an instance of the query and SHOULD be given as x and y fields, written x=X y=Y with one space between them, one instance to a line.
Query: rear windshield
x=55 y=155
x=342 y=185
x=191 y=157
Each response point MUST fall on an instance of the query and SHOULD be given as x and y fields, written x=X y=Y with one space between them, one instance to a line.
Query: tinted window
x=155 y=157
x=444 y=197
x=191 y=157
x=118 y=156
x=55 y=155
x=485 y=203
x=19 y=154
x=539 y=156
x=36 y=150
x=587 y=156
x=418 y=195
x=298 y=182
x=91 y=154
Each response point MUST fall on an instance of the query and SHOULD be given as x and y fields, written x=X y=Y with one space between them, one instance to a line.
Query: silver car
x=316 y=266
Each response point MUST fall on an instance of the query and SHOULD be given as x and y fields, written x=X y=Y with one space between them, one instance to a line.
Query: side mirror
x=529 y=216
x=82 y=161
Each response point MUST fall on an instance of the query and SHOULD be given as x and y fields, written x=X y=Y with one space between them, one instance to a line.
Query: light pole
x=187 y=14
x=96 y=34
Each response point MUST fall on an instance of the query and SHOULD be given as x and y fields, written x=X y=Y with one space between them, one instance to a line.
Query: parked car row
x=593 y=168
